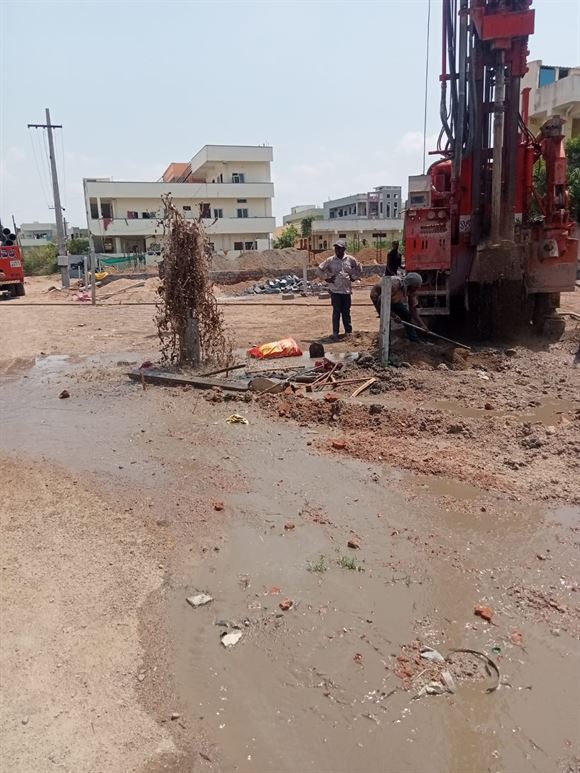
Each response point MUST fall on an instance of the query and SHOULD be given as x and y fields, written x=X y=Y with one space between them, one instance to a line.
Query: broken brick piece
x=354 y=543
x=288 y=526
x=339 y=445
x=331 y=397
x=218 y=506
x=286 y=605
x=486 y=613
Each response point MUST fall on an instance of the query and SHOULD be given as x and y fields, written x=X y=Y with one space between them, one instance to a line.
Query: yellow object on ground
x=235 y=418
x=100 y=275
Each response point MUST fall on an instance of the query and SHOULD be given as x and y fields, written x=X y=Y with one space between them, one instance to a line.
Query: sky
x=337 y=88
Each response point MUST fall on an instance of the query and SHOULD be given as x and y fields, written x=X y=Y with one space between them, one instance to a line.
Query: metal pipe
x=511 y=149
x=462 y=74
x=526 y=104
x=498 y=129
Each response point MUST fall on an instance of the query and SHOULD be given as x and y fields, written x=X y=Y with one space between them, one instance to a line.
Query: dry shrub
x=186 y=292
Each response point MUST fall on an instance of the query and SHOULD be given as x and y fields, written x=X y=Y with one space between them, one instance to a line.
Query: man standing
x=394 y=260
x=339 y=271
x=403 y=302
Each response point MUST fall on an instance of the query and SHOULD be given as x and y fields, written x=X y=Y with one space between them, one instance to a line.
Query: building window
x=547 y=76
x=145 y=215
x=250 y=246
x=205 y=210
x=238 y=177
x=242 y=201
x=332 y=214
x=388 y=195
x=238 y=246
x=342 y=236
x=94 y=209
x=388 y=210
x=242 y=213
x=217 y=213
x=381 y=206
x=106 y=210
x=132 y=215
x=186 y=208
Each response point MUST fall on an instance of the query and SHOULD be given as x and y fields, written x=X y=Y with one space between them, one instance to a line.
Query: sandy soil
x=74 y=573
x=110 y=522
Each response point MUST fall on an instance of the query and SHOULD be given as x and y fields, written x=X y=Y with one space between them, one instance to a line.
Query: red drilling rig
x=489 y=244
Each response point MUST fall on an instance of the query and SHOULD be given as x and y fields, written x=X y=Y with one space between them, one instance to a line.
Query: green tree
x=41 y=260
x=78 y=246
x=306 y=226
x=287 y=238
x=573 y=158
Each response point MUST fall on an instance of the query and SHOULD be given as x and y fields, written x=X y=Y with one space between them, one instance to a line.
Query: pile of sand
x=287 y=259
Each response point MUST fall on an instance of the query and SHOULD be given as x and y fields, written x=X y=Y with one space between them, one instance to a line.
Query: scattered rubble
x=199 y=600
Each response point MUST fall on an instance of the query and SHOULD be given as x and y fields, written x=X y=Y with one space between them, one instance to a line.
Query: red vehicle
x=11 y=269
x=491 y=244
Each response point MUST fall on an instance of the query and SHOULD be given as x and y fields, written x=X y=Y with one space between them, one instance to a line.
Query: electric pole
x=62 y=253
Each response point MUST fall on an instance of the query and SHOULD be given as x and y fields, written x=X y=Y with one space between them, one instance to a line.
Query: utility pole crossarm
x=44 y=125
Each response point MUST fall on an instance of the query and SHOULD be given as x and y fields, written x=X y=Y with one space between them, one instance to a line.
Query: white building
x=363 y=219
x=553 y=91
x=230 y=185
x=36 y=234
x=299 y=212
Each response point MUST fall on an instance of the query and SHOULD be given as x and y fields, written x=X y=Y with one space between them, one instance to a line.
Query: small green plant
x=348 y=562
x=41 y=260
x=317 y=566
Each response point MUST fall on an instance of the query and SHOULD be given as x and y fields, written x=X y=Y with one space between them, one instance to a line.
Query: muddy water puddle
x=548 y=412
x=293 y=693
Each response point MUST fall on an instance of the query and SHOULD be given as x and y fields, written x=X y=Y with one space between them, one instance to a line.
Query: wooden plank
x=152 y=376
x=385 y=324
x=359 y=390
x=224 y=370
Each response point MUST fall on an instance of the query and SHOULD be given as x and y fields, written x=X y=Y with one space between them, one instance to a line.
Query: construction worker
x=403 y=301
x=394 y=260
x=339 y=271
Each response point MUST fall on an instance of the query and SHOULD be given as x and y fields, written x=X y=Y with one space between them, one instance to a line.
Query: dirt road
x=110 y=522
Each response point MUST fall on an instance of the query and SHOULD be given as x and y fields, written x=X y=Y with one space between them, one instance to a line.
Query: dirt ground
x=455 y=484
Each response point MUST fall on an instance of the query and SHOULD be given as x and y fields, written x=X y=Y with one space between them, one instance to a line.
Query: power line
x=41 y=179
x=63 y=164
x=426 y=84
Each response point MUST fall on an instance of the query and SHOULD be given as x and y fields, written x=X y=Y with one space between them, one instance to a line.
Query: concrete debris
x=429 y=654
x=230 y=639
x=289 y=284
x=64 y=394
x=199 y=600
x=447 y=680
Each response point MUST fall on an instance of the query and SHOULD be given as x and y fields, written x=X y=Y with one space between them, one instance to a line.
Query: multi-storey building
x=228 y=185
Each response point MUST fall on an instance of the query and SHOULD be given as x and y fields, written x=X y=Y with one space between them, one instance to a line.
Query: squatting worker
x=394 y=260
x=403 y=301
x=340 y=271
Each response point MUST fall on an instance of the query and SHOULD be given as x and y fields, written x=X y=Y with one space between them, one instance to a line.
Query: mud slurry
x=317 y=687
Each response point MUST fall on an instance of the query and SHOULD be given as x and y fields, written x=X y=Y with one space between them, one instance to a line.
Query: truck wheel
x=19 y=289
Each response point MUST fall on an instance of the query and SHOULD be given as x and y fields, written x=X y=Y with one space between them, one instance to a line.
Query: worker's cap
x=340 y=243
x=412 y=280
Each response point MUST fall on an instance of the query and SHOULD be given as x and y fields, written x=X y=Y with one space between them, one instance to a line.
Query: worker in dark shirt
x=394 y=260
